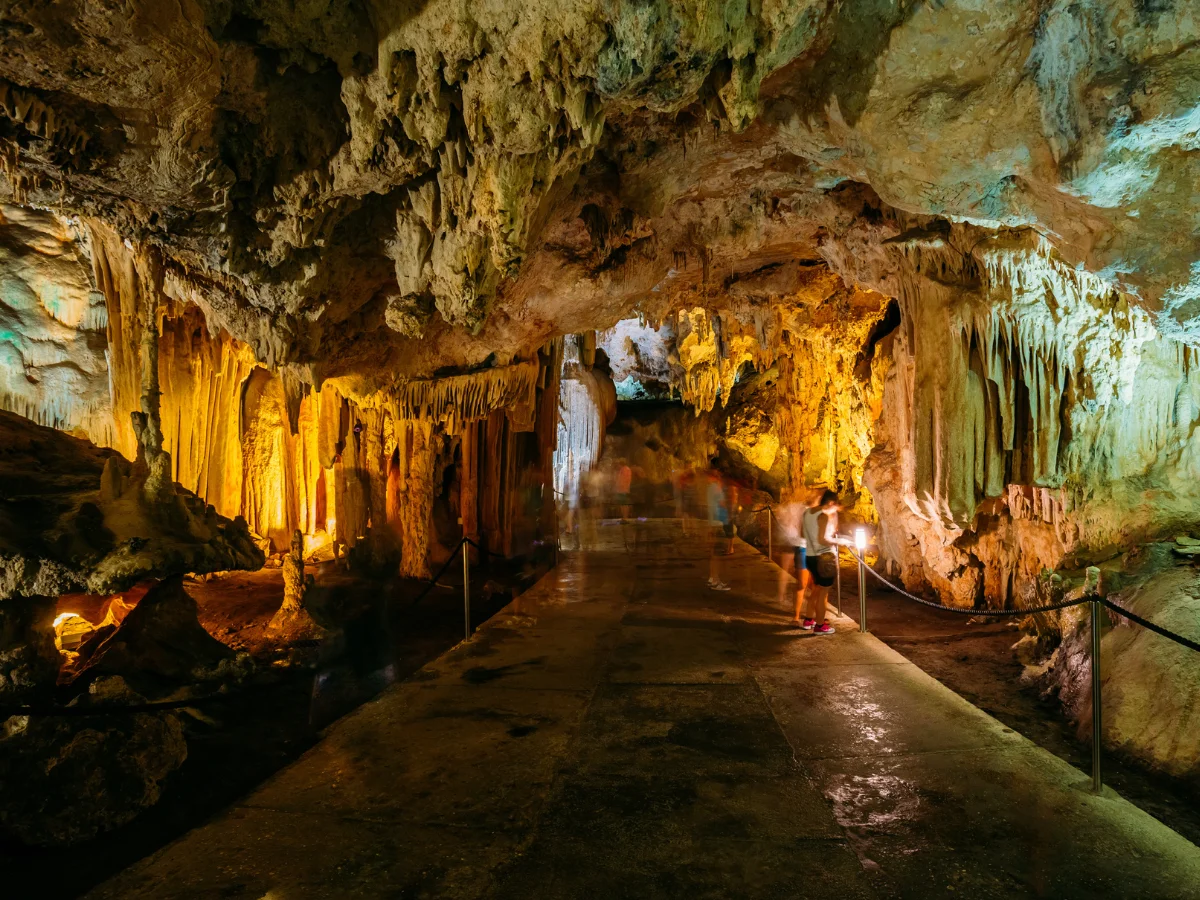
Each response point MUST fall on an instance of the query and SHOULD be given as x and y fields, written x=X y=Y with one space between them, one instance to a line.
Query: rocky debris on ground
x=159 y=646
x=73 y=519
x=68 y=778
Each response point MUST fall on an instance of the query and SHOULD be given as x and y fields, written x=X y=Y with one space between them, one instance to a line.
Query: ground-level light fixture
x=860 y=539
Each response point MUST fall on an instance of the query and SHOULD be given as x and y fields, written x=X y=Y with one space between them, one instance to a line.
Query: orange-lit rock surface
x=321 y=267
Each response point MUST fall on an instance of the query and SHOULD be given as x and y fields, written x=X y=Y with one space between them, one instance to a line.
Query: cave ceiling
x=364 y=187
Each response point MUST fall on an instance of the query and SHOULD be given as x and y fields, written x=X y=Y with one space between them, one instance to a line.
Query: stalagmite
x=292 y=621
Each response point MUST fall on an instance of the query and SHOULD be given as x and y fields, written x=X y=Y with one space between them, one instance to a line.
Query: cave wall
x=1029 y=404
x=266 y=445
x=789 y=369
x=1034 y=418
x=52 y=326
x=373 y=222
x=349 y=185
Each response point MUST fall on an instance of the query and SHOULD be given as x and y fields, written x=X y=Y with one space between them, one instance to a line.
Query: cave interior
x=292 y=301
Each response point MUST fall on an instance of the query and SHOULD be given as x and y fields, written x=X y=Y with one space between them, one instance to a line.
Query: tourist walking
x=720 y=519
x=623 y=484
x=819 y=531
x=787 y=518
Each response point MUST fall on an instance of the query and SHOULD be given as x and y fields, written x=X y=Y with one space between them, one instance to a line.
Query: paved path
x=622 y=732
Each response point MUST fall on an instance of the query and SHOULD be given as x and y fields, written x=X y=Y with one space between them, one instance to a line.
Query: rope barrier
x=112 y=709
x=442 y=571
x=1150 y=626
x=1051 y=607
x=490 y=553
x=129 y=708
x=972 y=611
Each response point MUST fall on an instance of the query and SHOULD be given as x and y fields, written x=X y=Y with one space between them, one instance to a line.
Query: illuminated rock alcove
x=329 y=292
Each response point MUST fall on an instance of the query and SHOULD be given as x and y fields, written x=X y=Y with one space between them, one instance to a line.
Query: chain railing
x=103 y=709
x=1092 y=597
x=1095 y=601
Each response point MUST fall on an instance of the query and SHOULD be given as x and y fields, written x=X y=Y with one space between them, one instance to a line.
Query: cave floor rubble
x=621 y=731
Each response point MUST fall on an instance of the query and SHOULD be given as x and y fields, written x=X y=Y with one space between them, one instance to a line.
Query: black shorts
x=730 y=529
x=811 y=565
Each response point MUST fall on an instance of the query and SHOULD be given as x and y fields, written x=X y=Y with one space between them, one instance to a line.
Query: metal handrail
x=1094 y=600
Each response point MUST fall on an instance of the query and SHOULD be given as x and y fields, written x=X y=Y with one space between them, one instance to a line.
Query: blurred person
x=592 y=493
x=622 y=484
x=721 y=528
x=818 y=528
x=690 y=484
x=788 y=518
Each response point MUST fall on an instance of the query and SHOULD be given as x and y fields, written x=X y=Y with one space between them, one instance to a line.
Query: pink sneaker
x=809 y=624
x=823 y=628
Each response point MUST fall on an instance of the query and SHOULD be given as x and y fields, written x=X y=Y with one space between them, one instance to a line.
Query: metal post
x=770 y=547
x=466 y=552
x=837 y=556
x=862 y=594
x=1097 y=782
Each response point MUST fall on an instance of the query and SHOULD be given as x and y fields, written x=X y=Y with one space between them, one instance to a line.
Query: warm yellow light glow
x=314 y=543
x=70 y=629
x=860 y=539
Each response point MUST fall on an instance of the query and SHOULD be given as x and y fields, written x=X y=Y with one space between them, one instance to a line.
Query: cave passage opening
x=778 y=402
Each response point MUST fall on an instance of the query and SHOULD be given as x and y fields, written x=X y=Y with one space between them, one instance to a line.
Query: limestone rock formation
x=1150 y=684
x=293 y=621
x=70 y=778
x=52 y=326
x=339 y=251
x=73 y=519
x=159 y=644
x=318 y=177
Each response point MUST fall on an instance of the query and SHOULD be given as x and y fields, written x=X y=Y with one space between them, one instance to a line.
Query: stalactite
x=268 y=496
x=353 y=468
x=491 y=480
x=264 y=444
x=586 y=405
x=549 y=391
x=310 y=476
x=202 y=378
x=1084 y=412
x=416 y=503
x=114 y=271
x=469 y=482
x=331 y=426
x=147 y=421
x=456 y=399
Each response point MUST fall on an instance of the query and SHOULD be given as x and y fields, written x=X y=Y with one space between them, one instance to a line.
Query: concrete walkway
x=620 y=731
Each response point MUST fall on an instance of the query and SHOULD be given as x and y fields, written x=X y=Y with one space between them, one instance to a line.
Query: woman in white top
x=822 y=540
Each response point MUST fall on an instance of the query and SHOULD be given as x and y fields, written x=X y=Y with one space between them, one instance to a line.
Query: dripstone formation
x=363 y=278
